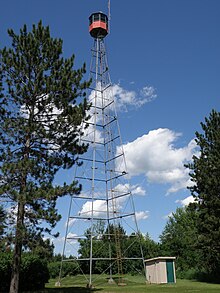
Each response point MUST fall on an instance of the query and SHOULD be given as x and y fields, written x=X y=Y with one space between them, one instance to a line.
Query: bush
x=33 y=275
x=195 y=274
x=54 y=269
x=209 y=278
x=68 y=269
x=190 y=274
x=5 y=271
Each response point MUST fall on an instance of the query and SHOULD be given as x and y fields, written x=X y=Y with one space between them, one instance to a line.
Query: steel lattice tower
x=104 y=209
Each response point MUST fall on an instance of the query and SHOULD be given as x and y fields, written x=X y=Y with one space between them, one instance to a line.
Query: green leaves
x=42 y=107
x=179 y=238
x=205 y=172
x=2 y=221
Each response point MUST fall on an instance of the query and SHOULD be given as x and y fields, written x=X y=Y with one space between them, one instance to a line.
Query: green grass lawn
x=134 y=284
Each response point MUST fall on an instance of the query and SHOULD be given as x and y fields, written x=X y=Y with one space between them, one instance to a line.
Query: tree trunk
x=19 y=235
x=14 y=286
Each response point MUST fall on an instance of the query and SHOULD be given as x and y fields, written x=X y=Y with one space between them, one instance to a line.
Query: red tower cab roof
x=98 y=25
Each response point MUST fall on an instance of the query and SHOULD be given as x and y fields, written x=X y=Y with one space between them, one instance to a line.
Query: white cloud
x=138 y=190
x=134 y=189
x=99 y=209
x=142 y=215
x=126 y=99
x=123 y=99
x=148 y=94
x=180 y=184
x=71 y=239
x=71 y=235
x=186 y=201
x=70 y=222
x=155 y=156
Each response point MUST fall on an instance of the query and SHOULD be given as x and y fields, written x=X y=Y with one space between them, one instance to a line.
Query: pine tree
x=205 y=173
x=42 y=105
x=2 y=222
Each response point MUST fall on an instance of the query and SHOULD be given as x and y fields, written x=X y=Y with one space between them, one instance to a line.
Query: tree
x=205 y=174
x=4 y=239
x=106 y=239
x=42 y=105
x=179 y=238
x=149 y=247
x=39 y=246
x=2 y=221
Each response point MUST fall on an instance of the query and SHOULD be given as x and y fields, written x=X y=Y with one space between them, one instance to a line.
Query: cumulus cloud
x=142 y=215
x=71 y=238
x=186 y=201
x=114 y=98
x=155 y=156
x=99 y=206
x=71 y=235
x=70 y=222
x=124 y=99
x=131 y=99
x=148 y=94
x=134 y=189
x=99 y=209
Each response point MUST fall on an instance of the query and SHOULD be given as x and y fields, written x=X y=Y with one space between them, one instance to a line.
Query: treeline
x=131 y=246
x=192 y=233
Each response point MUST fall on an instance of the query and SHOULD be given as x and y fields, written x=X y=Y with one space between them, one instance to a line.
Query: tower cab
x=98 y=25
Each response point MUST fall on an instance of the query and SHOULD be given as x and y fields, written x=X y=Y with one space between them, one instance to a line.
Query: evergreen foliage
x=5 y=271
x=39 y=246
x=2 y=221
x=205 y=174
x=34 y=273
x=42 y=105
x=68 y=269
x=4 y=243
x=179 y=238
x=129 y=244
x=192 y=234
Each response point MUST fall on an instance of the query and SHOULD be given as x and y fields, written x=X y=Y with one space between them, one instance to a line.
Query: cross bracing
x=102 y=217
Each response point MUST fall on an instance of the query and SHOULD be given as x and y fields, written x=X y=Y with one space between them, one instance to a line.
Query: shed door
x=170 y=273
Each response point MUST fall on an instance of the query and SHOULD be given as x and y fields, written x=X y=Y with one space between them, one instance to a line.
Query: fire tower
x=102 y=229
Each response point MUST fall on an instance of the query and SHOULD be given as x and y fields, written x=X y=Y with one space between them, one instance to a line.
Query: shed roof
x=160 y=258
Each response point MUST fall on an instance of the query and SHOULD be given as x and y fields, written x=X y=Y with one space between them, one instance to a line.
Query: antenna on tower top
x=109 y=14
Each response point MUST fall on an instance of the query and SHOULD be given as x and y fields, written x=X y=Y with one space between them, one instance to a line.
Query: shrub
x=54 y=269
x=33 y=275
x=190 y=274
x=68 y=269
x=5 y=271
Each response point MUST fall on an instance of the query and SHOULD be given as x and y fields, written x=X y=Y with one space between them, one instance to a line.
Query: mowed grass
x=132 y=284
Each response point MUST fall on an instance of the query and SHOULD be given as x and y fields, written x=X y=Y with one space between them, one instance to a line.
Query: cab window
x=96 y=17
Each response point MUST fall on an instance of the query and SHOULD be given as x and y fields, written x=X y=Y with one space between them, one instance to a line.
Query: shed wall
x=156 y=272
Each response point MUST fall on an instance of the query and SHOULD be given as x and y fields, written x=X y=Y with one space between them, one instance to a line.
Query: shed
x=160 y=270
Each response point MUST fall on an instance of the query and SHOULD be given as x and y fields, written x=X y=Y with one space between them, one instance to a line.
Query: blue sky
x=165 y=53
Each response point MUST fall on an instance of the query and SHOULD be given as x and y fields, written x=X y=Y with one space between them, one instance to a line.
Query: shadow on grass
x=100 y=285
